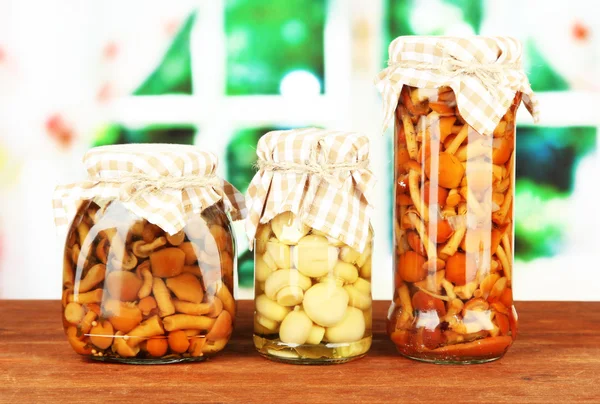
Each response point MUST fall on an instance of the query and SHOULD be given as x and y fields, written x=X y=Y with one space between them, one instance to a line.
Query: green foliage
x=246 y=269
x=538 y=224
x=549 y=155
x=268 y=38
x=174 y=73
x=472 y=12
x=541 y=75
x=119 y=134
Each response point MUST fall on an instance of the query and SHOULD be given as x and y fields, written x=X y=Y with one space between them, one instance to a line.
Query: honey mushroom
x=143 y=249
x=151 y=327
x=186 y=321
x=123 y=316
x=186 y=287
x=163 y=297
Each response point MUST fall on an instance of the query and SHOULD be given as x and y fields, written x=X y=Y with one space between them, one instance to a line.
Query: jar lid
x=485 y=73
x=162 y=183
x=322 y=176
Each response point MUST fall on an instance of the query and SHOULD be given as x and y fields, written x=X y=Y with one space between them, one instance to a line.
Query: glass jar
x=133 y=293
x=312 y=295
x=453 y=238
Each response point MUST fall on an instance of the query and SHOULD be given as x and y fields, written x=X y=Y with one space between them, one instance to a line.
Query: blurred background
x=221 y=73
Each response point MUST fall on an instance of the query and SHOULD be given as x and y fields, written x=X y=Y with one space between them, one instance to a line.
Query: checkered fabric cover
x=326 y=182
x=468 y=66
x=167 y=206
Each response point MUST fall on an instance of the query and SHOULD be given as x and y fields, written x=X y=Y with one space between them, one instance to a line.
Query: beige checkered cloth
x=116 y=172
x=484 y=72
x=320 y=175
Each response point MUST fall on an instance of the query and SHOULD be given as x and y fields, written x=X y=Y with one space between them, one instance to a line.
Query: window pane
x=119 y=134
x=173 y=75
x=269 y=39
x=553 y=206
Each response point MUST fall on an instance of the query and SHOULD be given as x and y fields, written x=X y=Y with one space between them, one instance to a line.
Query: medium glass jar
x=133 y=293
x=312 y=294
x=453 y=238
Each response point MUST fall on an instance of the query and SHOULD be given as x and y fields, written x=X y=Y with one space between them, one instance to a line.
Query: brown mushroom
x=80 y=346
x=221 y=236
x=68 y=274
x=149 y=328
x=167 y=262
x=102 y=334
x=176 y=239
x=146 y=276
x=102 y=250
x=163 y=297
x=147 y=305
x=191 y=251
x=93 y=296
x=143 y=249
x=124 y=317
x=449 y=170
x=186 y=287
x=123 y=285
x=94 y=276
x=150 y=232
x=221 y=328
x=74 y=313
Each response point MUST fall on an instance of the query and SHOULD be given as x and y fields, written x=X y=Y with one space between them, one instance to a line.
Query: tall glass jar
x=312 y=294
x=133 y=293
x=150 y=255
x=453 y=238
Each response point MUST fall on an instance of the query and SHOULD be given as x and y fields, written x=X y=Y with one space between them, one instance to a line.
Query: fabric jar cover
x=162 y=183
x=484 y=72
x=321 y=176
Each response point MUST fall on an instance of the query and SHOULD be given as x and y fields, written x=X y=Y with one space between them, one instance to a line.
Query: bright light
x=299 y=83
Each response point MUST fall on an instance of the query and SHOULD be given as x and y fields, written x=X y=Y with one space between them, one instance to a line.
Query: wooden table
x=555 y=359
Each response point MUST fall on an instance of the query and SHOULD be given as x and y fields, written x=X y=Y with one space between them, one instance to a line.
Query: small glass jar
x=133 y=293
x=312 y=295
x=453 y=238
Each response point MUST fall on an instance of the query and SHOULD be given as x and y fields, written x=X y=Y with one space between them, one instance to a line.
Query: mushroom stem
x=409 y=133
x=405 y=303
x=146 y=288
x=163 y=297
x=415 y=194
x=505 y=262
x=429 y=245
x=457 y=141
x=94 y=296
x=499 y=217
x=187 y=322
x=143 y=250
x=176 y=238
x=149 y=328
x=94 y=276
x=455 y=239
x=68 y=275
x=195 y=309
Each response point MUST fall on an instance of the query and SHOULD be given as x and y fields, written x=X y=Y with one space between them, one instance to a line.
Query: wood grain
x=555 y=359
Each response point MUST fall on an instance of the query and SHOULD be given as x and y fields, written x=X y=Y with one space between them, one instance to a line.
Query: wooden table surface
x=556 y=359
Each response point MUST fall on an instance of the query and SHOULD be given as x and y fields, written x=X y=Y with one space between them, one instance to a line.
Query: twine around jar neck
x=135 y=185
x=491 y=75
x=327 y=171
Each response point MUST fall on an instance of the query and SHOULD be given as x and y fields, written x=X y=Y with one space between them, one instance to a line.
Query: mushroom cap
x=409 y=267
x=449 y=169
